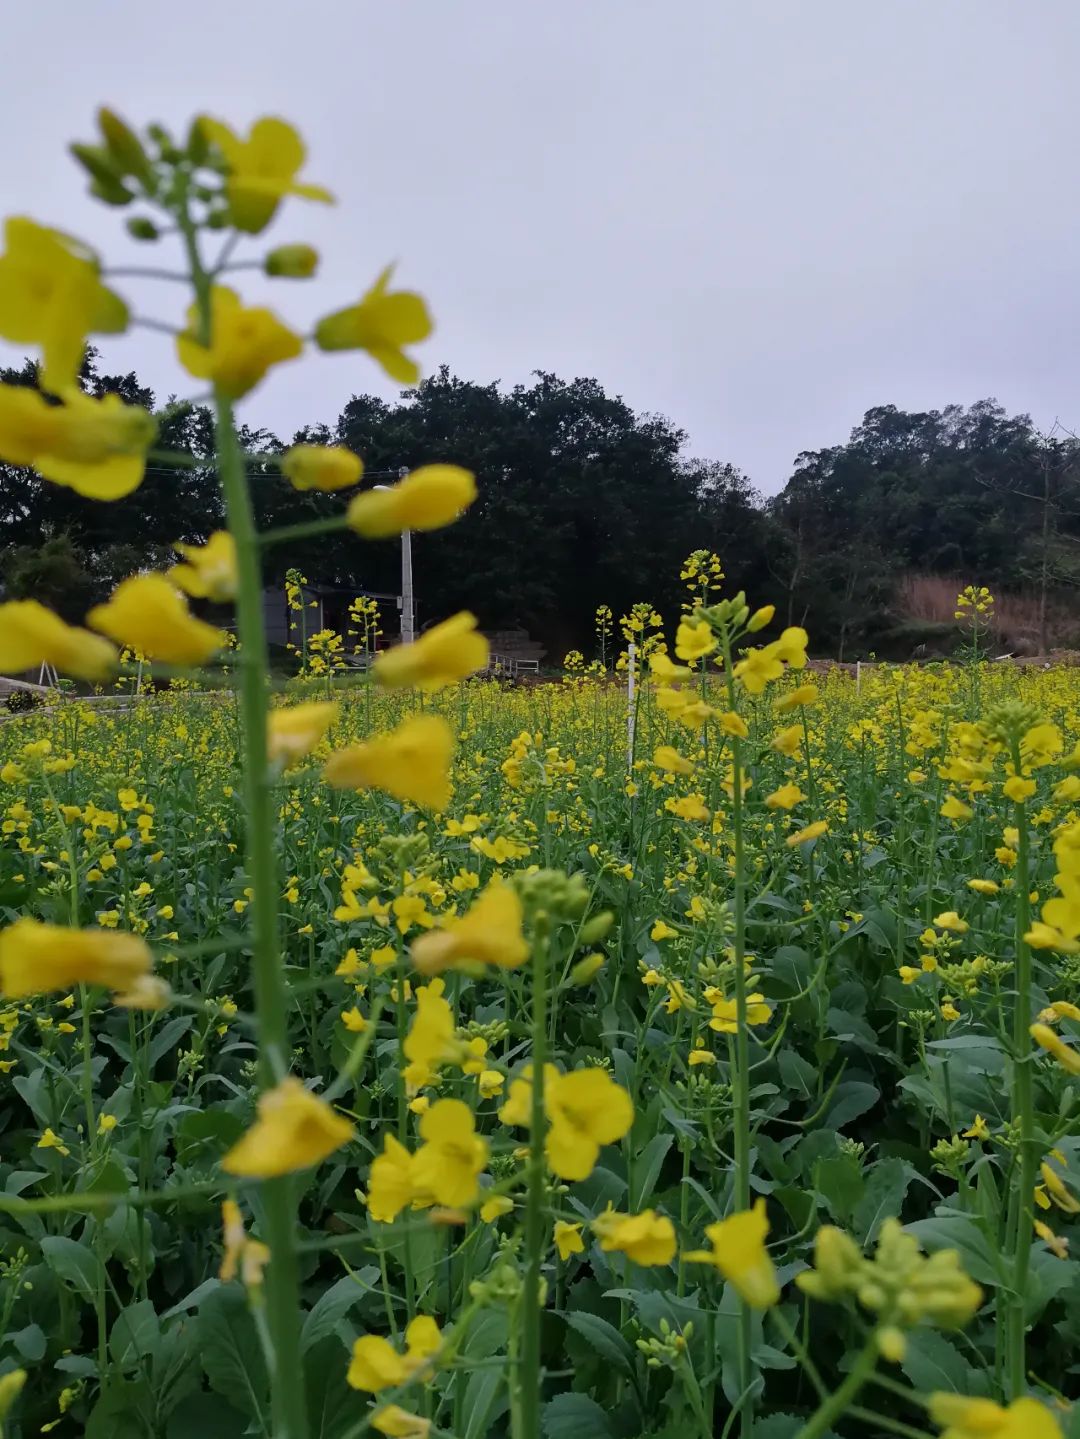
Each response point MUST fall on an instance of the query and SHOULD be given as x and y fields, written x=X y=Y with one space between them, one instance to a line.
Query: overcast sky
x=758 y=217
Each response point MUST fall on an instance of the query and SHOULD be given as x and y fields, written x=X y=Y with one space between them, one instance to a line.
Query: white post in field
x=858 y=677
x=408 y=612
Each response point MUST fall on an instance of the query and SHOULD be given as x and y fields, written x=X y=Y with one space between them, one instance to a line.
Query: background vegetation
x=584 y=501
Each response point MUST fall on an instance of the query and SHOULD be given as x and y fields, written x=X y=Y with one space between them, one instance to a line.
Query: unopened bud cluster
x=900 y=1285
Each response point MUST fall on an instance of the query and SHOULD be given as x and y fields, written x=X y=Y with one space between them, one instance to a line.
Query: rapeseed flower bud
x=427 y=499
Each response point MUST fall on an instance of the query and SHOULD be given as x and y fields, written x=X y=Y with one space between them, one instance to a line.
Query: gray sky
x=758 y=217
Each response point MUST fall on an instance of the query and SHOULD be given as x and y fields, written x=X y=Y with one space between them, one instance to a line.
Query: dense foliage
x=583 y=502
x=867 y=1065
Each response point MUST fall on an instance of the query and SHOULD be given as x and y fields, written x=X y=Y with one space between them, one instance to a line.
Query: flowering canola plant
x=381 y=1054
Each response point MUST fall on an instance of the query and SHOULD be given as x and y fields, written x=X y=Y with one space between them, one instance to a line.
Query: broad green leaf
x=124 y=1410
x=575 y=1416
x=205 y=1416
x=883 y=1198
x=334 y=1303
x=76 y=1264
x=933 y=1362
x=647 y=1166
x=231 y=1353
x=134 y=1335
x=798 y=1074
x=851 y=1098
x=840 y=1184
x=603 y=1337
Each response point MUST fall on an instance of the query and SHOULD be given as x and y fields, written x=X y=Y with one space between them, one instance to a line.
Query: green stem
x=288 y=1400
x=741 y=1076
x=527 y=1408
x=1023 y=1109
x=837 y=1404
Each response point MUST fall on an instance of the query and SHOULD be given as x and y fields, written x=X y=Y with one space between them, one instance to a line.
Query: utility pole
x=408 y=603
x=408 y=606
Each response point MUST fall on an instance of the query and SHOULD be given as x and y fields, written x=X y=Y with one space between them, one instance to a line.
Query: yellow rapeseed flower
x=448 y=652
x=665 y=671
x=427 y=499
x=382 y=323
x=694 y=640
x=208 y=571
x=261 y=170
x=803 y=836
x=568 y=1239
x=447 y=1167
x=801 y=696
x=51 y=296
x=723 y=1013
x=786 y=797
x=293 y=1130
x=963 y=1418
x=646 y=1238
x=430 y=1039
x=1066 y=1056
x=390 y=1182
x=94 y=446
x=738 y=1252
x=31 y=635
x=244 y=343
x=294 y=730
x=377 y=1365
x=411 y=763
x=489 y=932
x=321 y=467
x=36 y=957
x=151 y=617
x=585 y=1109
x=956 y=809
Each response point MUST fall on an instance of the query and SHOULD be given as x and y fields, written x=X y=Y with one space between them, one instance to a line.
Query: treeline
x=583 y=502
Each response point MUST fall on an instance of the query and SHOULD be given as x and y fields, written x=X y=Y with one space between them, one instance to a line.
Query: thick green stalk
x=527 y=1408
x=283 y=1290
x=287 y=1396
x=1023 y=1110
x=741 y=1077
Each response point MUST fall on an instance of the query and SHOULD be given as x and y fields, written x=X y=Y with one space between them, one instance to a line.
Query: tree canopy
x=584 y=502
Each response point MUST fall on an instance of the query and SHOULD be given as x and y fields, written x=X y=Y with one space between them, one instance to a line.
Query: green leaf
x=603 y=1337
x=840 y=1183
x=211 y=1130
x=647 y=1166
x=29 y=1342
x=1047 y=1277
x=333 y=1407
x=333 y=1305
x=798 y=1074
x=194 y=1299
x=485 y=1399
x=575 y=1416
x=884 y=1196
x=124 y=1411
x=204 y=1416
x=932 y=1362
x=74 y=1263
x=231 y=1354
x=169 y=1037
x=850 y=1099
x=135 y=1334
